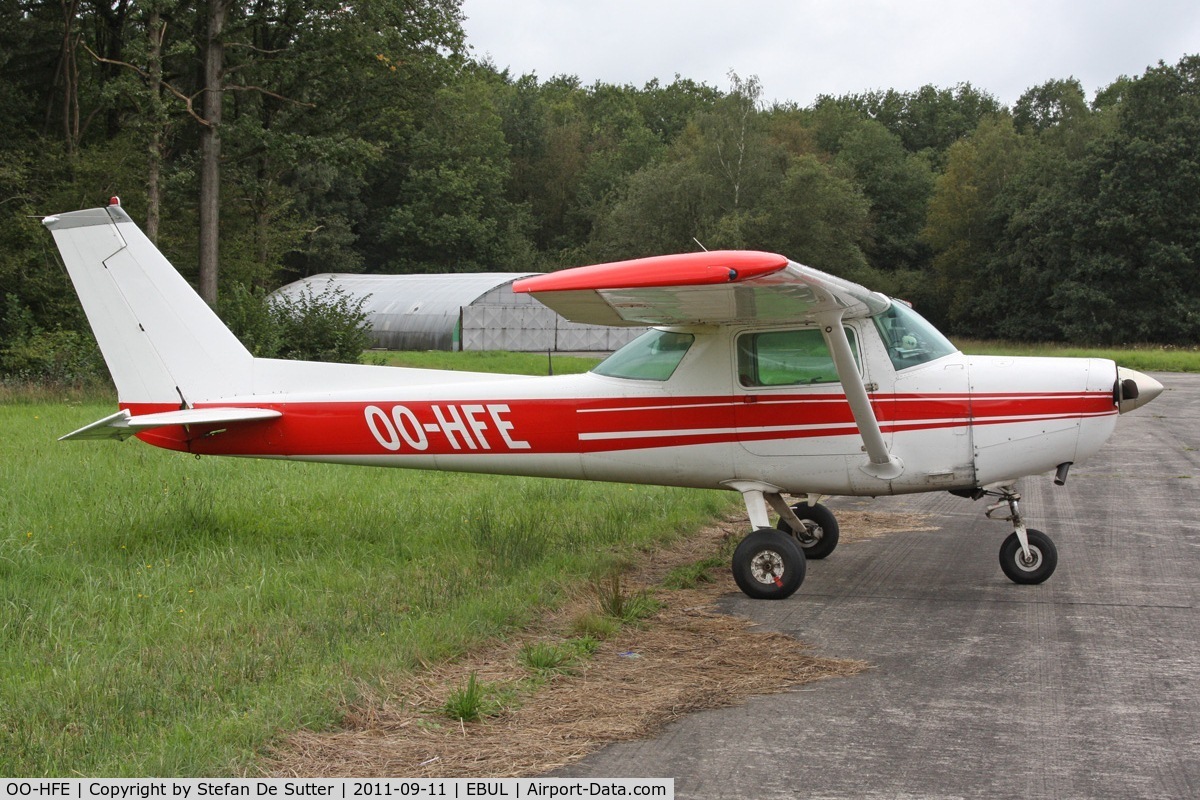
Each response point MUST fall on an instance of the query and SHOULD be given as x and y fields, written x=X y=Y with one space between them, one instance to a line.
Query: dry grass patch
x=685 y=657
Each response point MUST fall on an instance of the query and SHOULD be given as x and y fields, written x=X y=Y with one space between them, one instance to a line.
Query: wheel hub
x=811 y=534
x=1030 y=562
x=767 y=567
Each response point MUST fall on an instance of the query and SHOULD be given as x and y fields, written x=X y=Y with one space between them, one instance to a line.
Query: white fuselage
x=955 y=422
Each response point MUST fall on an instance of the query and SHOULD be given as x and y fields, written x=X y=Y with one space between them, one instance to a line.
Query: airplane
x=757 y=375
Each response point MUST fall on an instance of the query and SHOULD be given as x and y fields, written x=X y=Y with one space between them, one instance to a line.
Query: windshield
x=653 y=356
x=909 y=338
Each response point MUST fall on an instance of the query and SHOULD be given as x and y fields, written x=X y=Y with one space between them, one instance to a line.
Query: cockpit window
x=787 y=358
x=910 y=340
x=653 y=356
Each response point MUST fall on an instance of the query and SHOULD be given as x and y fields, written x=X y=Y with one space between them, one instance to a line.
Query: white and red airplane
x=759 y=376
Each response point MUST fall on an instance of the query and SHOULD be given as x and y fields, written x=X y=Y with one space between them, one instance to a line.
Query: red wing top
x=687 y=269
x=720 y=287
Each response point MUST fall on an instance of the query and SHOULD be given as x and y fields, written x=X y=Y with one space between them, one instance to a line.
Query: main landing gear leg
x=768 y=564
x=1027 y=555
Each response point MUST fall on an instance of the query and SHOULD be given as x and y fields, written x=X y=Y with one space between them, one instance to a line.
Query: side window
x=787 y=358
x=653 y=356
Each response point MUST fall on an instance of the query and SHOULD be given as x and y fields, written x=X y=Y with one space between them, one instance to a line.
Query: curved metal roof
x=413 y=312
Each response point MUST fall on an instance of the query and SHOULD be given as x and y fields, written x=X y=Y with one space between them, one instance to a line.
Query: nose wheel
x=1032 y=566
x=1027 y=555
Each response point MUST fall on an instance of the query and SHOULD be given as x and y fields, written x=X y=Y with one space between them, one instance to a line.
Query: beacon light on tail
x=759 y=375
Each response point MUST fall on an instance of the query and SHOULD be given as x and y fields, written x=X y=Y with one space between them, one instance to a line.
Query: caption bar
x=336 y=789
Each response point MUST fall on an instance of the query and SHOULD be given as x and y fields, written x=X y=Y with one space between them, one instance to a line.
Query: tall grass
x=486 y=361
x=1147 y=357
x=163 y=615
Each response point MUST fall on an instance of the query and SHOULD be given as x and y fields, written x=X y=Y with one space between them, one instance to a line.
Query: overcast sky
x=802 y=48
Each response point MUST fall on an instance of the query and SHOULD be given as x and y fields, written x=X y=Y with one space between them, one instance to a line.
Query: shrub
x=329 y=325
x=32 y=354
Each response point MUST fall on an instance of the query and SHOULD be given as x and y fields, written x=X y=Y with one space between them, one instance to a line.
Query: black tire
x=1043 y=558
x=823 y=526
x=768 y=565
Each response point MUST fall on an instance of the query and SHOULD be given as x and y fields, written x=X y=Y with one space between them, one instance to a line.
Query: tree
x=897 y=184
x=1132 y=226
x=212 y=109
x=815 y=217
x=966 y=223
x=929 y=119
x=451 y=213
x=664 y=207
x=1051 y=104
x=736 y=147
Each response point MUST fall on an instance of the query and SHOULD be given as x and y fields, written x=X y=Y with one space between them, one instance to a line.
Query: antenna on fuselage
x=697 y=241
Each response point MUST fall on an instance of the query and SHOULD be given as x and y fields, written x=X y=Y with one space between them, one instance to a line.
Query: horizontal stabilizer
x=122 y=424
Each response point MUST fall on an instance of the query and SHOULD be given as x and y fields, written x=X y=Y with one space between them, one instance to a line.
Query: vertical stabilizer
x=162 y=343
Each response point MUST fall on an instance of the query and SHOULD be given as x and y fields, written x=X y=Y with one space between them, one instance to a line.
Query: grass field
x=485 y=361
x=1146 y=358
x=163 y=615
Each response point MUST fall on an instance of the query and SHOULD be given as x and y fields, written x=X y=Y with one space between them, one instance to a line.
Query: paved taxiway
x=1085 y=686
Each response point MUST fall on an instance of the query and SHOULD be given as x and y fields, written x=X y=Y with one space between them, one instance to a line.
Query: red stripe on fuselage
x=594 y=424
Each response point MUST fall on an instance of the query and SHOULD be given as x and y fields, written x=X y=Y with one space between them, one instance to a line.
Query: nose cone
x=1134 y=389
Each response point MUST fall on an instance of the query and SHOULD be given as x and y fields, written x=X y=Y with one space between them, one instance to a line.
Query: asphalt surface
x=1085 y=686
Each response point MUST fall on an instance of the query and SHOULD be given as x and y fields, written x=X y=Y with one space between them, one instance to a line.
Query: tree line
x=264 y=141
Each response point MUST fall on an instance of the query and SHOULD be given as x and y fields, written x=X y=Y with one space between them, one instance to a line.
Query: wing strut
x=882 y=464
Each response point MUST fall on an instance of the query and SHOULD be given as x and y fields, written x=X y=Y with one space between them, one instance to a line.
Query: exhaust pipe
x=1060 y=475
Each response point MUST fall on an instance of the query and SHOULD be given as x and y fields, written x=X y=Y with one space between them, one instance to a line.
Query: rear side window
x=787 y=358
x=653 y=356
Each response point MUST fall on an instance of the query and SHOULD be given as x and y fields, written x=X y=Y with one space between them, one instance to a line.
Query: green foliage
x=964 y=228
x=58 y=357
x=472 y=702
x=1093 y=221
x=897 y=185
x=247 y=312
x=1145 y=358
x=688 y=576
x=929 y=120
x=621 y=606
x=594 y=626
x=329 y=325
x=548 y=657
x=817 y=217
x=1053 y=104
x=487 y=361
x=453 y=215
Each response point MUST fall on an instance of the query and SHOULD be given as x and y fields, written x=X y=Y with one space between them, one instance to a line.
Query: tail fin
x=162 y=343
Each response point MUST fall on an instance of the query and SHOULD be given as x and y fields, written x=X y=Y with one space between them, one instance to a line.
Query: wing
x=721 y=287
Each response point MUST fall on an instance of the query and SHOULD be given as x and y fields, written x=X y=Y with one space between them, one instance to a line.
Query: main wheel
x=822 y=529
x=768 y=565
x=1043 y=558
